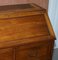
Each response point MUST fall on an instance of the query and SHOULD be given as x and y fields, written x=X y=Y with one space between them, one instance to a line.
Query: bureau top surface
x=19 y=7
x=19 y=10
x=19 y=24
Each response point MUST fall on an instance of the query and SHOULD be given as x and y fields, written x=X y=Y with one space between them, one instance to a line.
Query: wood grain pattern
x=52 y=34
x=6 y=54
x=23 y=27
x=33 y=53
x=26 y=35
x=21 y=10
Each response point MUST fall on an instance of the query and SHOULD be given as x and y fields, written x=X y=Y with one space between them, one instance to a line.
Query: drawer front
x=33 y=53
x=6 y=54
x=43 y=58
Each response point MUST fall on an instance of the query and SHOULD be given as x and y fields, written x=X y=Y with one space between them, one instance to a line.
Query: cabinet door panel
x=6 y=54
x=26 y=54
x=33 y=53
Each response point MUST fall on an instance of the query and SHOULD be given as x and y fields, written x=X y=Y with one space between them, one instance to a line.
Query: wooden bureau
x=25 y=33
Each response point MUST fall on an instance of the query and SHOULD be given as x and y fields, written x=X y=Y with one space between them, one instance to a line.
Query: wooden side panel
x=50 y=50
x=6 y=54
x=32 y=53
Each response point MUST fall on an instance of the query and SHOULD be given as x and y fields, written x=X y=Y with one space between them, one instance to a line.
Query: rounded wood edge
x=52 y=34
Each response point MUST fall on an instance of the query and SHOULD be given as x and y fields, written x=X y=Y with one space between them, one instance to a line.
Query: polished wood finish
x=34 y=52
x=6 y=54
x=25 y=33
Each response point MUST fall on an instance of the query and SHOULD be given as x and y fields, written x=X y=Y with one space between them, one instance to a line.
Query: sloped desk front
x=25 y=33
